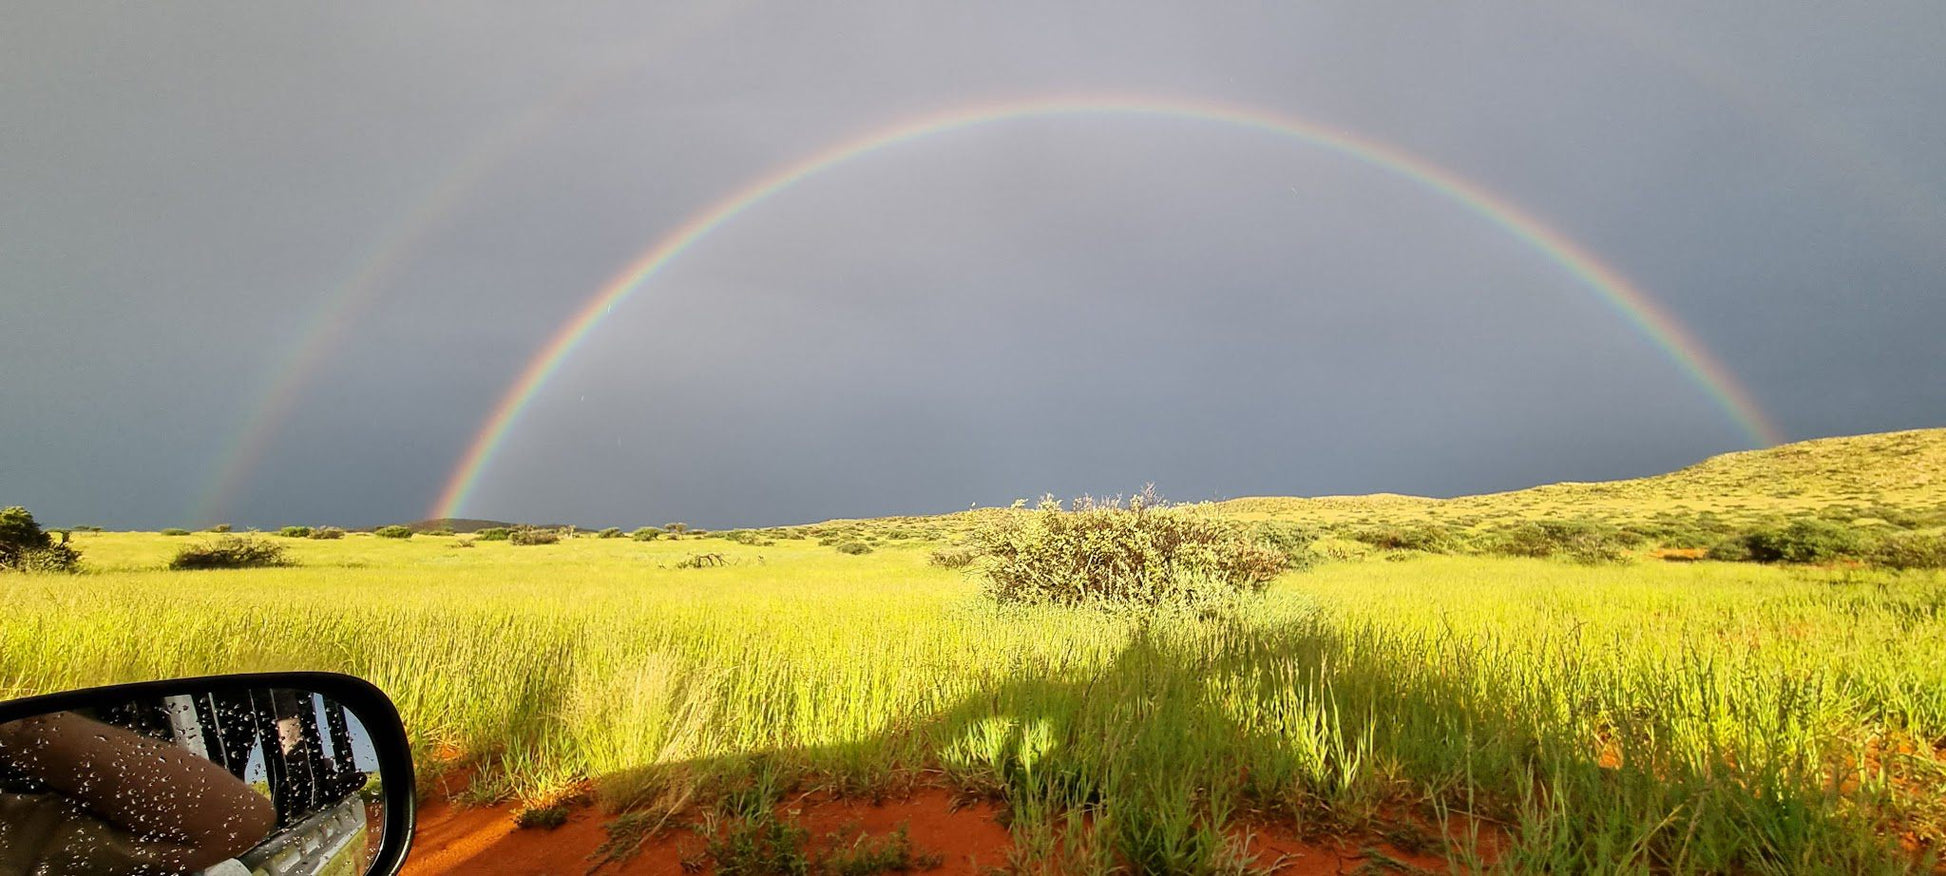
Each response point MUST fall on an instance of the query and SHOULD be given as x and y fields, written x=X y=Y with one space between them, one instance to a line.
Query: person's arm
x=193 y=810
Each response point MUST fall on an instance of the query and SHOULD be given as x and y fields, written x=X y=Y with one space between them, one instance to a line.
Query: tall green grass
x=1646 y=718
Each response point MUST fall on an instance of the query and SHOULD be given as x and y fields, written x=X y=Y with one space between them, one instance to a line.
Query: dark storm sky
x=1076 y=304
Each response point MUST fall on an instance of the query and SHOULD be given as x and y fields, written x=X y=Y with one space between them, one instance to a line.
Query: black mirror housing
x=295 y=751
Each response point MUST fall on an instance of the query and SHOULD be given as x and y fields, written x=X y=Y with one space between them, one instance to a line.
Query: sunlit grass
x=1700 y=717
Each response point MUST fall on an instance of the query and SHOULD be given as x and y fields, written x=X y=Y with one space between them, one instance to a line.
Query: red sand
x=484 y=840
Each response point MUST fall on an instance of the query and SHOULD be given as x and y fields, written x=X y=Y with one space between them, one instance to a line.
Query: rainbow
x=1624 y=298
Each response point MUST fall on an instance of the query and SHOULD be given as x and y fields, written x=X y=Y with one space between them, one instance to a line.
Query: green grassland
x=1636 y=716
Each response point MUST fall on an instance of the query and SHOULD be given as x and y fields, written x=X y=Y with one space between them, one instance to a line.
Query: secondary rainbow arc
x=1634 y=305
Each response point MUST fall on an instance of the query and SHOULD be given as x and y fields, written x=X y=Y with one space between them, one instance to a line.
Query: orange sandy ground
x=484 y=840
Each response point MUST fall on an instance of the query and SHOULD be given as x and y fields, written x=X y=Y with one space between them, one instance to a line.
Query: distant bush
x=610 y=532
x=854 y=548
x=1911 y=551
x=228 y=552
x=295 y=532
x=953 y=557
x=1144 y=554
x=1335 y=548
x=529 y=535
x=1290 y=540
x=1583 y=541
x=220 y=527
x=675 y=530
x=748 y=536
x=393 y=531
x=25 y=547
x=646 y=533
x=174 y=531
x=1427 y=537
x=1806 y=540
x=327 y=533
x=701 y=561
x=1729 y=550
x=494 y=533
x=441 y=531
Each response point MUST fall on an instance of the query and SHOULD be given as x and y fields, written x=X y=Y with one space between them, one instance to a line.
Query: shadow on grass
x=1150 y=762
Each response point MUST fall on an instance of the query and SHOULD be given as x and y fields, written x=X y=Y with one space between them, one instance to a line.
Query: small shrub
x=749 y=537
x=1911 y=551
x=494 y=533
x=440 y=531
x=646 y=533
x=543 y=817
x=220 y=527
x=761 y=845
x=953 y=557
x=531 y=535
x=610 y=532
x=1101 y=553
x=1342 y=549
x=295 y=532
x=854 y=548
x=25 y=547
x=701 y=561
x=327 y=533
x=863 y=855
x=174 y=531
x=394 y=531
x=228 y=552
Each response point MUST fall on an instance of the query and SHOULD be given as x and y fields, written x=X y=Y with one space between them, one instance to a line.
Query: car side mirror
x=286 y=774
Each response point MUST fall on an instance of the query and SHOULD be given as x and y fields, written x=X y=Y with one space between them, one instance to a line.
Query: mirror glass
x=274 y=780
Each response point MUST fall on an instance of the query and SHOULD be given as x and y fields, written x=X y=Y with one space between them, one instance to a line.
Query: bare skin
x=188 y=812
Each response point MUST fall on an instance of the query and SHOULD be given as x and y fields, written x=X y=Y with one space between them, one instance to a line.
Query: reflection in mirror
x=274 y=781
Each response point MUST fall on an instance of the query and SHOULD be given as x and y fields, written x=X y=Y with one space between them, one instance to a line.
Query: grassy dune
x=1862 y=473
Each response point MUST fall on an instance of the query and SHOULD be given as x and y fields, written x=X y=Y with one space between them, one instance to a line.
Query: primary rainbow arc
x=1616 y=291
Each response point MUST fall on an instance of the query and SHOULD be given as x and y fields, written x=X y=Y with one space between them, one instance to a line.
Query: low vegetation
x=1580 y=715
x=393 y=531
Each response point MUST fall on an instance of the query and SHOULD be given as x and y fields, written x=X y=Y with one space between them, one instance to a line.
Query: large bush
x=646 y=533
x=393 y=531
x=1806 y=540
x=530 y=535
x=229 y=552
x=25 y=547
x=1142 y=554
x=1427 y=537
x=295 y=532
x=1911 y=551
x=494 y=533
x=1583 y=541
x=1289 y=539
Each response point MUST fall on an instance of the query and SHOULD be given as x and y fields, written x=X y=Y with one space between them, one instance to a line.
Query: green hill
x=1860 y=476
